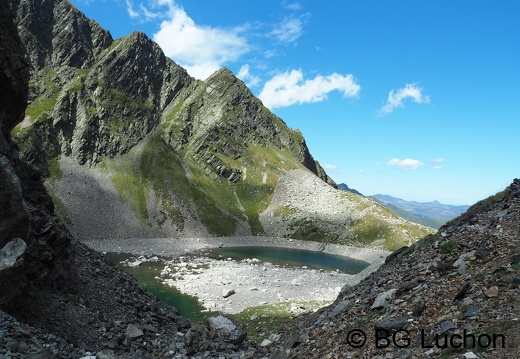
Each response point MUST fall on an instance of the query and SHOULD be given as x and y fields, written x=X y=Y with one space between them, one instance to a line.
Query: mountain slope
x=462 y=281
x=166 y=155
x=428 y=210
x=345 y=187
x=57 y=297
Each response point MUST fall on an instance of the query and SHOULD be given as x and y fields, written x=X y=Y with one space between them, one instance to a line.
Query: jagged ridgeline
x=135 y=147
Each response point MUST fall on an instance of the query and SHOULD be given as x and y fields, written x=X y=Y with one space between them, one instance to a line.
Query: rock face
x=174 y=156
x=34 y=248
x=57 y=297
x=420 y=294
x=14 y=75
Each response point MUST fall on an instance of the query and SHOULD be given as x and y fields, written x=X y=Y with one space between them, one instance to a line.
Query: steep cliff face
x=14 y=216
x=57 y=297
x=57 y=35
x=90 y=96
x=34 y=247
x=185 y=157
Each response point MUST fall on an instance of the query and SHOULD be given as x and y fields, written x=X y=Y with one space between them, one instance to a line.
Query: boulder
x=382 y=299
x=227 y=329
x=227 y=292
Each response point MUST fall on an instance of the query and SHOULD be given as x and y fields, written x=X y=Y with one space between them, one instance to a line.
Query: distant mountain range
x=432 y=214
x=344 y=187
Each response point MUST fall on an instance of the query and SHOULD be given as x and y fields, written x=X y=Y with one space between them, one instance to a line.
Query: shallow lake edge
x=174 y=247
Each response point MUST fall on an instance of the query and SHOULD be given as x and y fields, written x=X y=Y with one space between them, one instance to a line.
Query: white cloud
x=291 y=6
x=200 y=49
x=288 y=30
x=290 y=88
x=406 y=164
x=438 y=160
x=330 y=167
x=143 y=13
x=397 y=98
x=130 y=8
x=245 y=75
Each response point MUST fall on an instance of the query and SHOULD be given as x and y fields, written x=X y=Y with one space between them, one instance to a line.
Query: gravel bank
x=181 y=246
x=231 y=286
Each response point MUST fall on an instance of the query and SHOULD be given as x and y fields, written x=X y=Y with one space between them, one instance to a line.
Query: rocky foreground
x=454 y=294
x=110 y=316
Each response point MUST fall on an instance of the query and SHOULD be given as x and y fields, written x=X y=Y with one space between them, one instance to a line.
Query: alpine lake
x=147 y=272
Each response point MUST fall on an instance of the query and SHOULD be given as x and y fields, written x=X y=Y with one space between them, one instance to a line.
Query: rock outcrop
x=462 y=282
x=57 y=297
x=35 y=249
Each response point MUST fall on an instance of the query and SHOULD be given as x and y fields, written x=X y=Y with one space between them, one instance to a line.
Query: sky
x=418 y=99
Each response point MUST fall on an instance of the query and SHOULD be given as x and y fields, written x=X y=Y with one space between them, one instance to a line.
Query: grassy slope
x=219 y=203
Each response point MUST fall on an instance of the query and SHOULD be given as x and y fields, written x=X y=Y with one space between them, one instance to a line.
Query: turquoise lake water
x=291 y=257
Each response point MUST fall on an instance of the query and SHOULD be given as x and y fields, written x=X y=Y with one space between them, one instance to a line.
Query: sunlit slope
x=135 y=147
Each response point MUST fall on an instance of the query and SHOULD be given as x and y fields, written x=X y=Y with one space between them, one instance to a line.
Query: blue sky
x=419 y=99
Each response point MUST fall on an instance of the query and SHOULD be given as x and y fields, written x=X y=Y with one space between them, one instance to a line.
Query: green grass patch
x=54 y=168
x=448 y=247
x=285 y=211
x=215 y=201
x=489 y=201
x=371 y=228
x=113 y=45
x=56 y=174
x=264 y=320
x=309 y=230
x=154 y=165
x=44 y=103
x=132 y=190
x=256 y=190
x=59 y=206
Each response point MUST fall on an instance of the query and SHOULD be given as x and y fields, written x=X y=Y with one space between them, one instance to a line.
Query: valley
x=113 y=157
x=218 y=275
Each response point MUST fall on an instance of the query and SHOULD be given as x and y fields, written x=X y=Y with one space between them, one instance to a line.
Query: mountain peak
x=187 y=156
x=56 y=33
x=223 y=71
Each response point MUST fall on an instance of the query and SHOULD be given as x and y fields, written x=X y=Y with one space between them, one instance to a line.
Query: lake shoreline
x=251 y=283
x=174 y=247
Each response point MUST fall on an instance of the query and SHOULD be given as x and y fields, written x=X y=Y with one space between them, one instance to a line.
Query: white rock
x=227 y=292
x=11 y=252
x=266 y=343
x=470 y=355
x=382 y=299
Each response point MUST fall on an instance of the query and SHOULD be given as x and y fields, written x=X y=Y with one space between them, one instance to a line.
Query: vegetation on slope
x=154 y=167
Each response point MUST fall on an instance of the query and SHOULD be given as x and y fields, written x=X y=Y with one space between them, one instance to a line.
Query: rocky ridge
x=462 y=281
x=306 y=208
x=180 y=157
x=57 y=297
